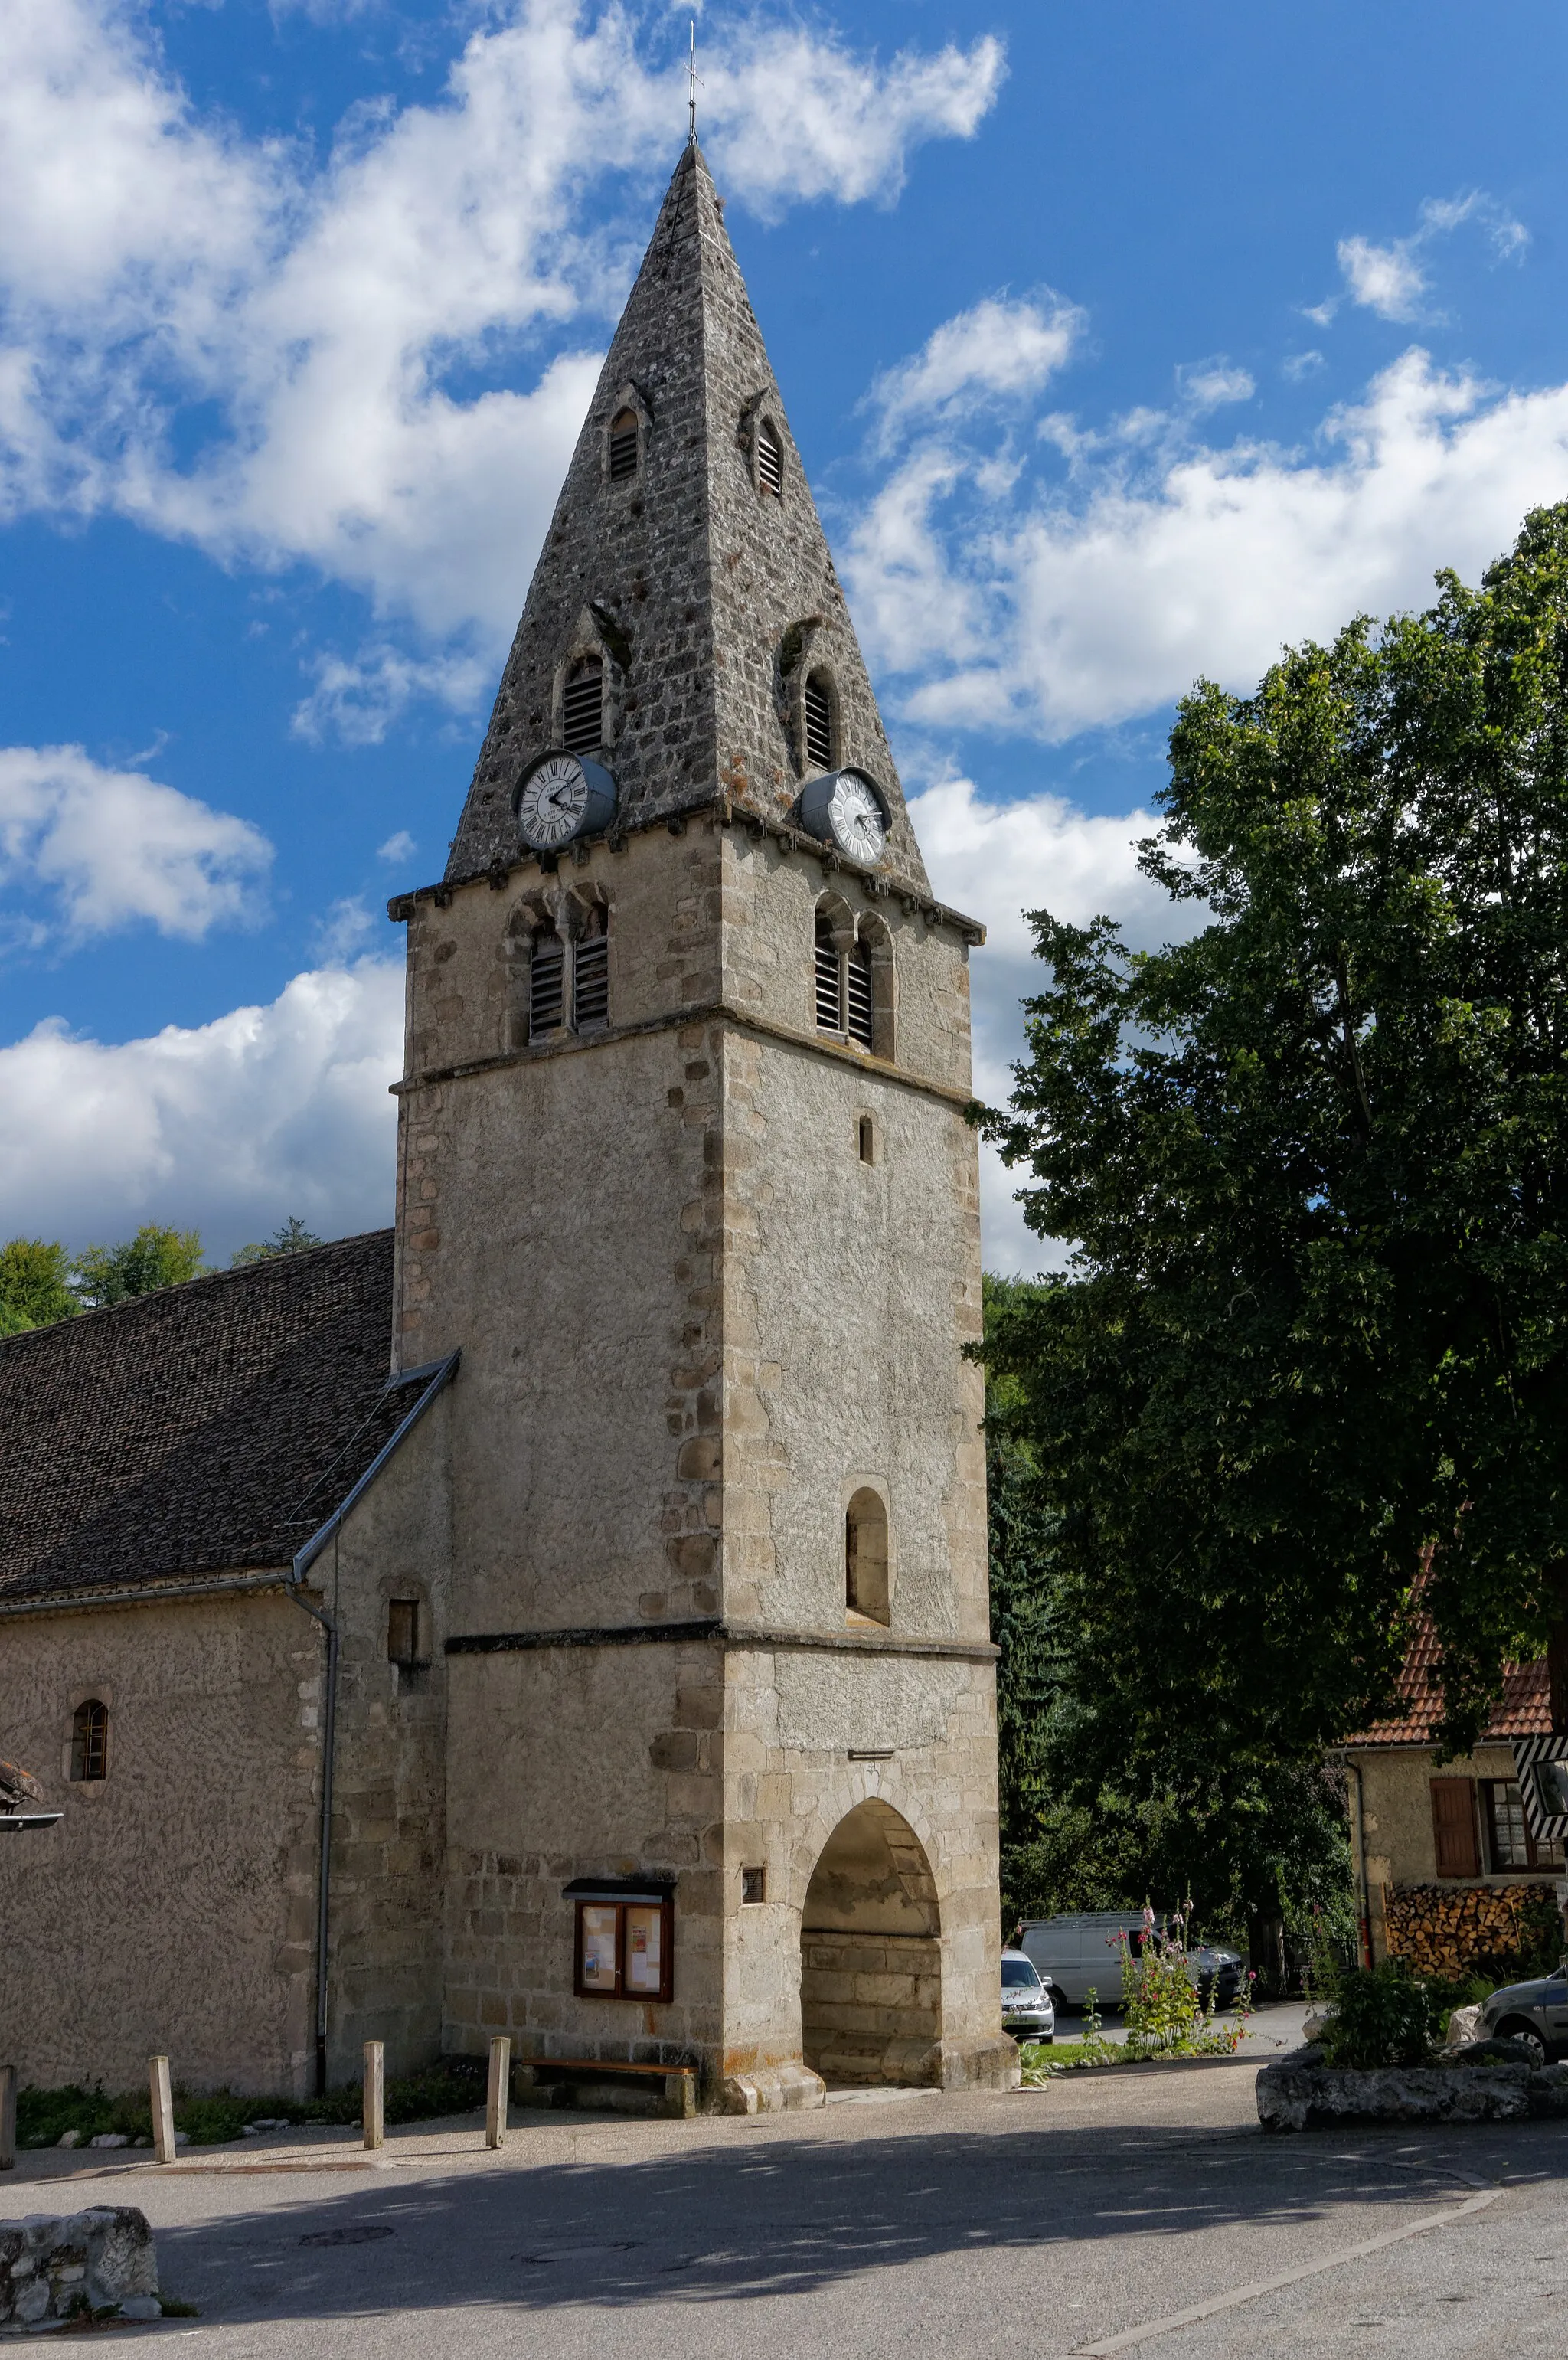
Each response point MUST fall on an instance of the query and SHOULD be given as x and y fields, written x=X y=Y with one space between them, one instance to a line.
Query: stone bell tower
x=684 y=1172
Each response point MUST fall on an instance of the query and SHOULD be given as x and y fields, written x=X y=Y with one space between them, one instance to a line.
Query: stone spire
x=709 y=598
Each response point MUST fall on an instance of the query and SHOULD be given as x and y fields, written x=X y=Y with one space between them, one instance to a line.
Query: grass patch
x=214 y=2118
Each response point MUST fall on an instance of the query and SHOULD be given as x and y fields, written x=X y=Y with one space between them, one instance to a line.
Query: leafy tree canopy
x=35 y=1285
x=291 y=1237
x=1313 y=1165
x=155 y=1257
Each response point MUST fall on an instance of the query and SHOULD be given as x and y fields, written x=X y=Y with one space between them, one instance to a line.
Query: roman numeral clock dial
x=561 y=797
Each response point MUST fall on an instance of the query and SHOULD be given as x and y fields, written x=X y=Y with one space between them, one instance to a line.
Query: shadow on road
x=723 y=2224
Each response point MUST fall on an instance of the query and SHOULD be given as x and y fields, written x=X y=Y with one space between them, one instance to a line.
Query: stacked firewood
x=1448 y=1931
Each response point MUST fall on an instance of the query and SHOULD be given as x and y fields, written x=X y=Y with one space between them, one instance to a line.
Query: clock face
x=553 y=801
x=855 y=817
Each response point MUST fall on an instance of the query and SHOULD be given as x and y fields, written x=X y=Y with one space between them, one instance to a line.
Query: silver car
x=1027 y=2011
x=1534 y=2014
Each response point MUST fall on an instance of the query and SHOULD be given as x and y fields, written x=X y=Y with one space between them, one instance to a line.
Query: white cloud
x=1296 y=366
x=114 y=846
x=1392 y=279
x=996 y=861
x=153 y=259
x=1386 y=279
x=400 y=847
x=1071 y=604
x=1210 y=385
x=340 y=935
x=227 y=1127
x=357 y=700
x=998 y=348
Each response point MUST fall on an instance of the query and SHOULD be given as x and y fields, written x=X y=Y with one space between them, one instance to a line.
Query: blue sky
x=1121 y=346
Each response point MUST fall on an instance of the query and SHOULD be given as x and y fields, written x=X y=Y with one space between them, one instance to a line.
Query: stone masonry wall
x=188 y=1874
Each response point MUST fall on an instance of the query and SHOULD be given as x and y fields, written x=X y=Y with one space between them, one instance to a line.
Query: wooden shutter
x=1454 y=1827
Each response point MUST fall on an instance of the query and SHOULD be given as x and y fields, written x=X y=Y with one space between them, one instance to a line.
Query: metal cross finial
x=693 y=84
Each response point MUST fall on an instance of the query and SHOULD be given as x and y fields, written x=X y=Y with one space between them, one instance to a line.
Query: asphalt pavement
x=1140 y=2211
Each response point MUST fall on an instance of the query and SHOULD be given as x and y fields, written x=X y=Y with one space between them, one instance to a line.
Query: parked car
x=1221 y=1972
x=1027 y=2011
x=1535 y=2014
x=1082 y=1952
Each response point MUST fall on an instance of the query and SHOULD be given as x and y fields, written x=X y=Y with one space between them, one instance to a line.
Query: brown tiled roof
x=207 y=1427
x=1524 y=1708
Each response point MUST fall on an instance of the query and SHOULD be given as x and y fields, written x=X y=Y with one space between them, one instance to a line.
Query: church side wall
x=172 y=1910
x=389 y=1769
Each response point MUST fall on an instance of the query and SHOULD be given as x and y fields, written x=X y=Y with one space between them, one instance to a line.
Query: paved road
x=974 y=2228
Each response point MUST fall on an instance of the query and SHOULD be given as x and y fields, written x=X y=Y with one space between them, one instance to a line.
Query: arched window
x=769 y=460
x=622 y=446
x=590 y=972
x=857 y=1019
x=830 y=978
x=866 y=1587
x=89 y=1741
x=583 y=717
x=818 y=716
x=547 y=985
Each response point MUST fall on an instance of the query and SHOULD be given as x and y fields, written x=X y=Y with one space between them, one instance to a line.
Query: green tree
x=35 y=1285
x=1313 y=1163
x=155 y=1257
x=291 y=1237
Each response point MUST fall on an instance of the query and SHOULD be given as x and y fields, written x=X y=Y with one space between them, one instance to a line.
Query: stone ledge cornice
x=717 y=1631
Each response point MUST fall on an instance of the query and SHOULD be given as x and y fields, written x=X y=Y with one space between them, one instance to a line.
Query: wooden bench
x=679 y=2081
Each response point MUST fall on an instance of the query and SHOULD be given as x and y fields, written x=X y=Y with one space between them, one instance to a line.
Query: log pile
x=1448 y=1932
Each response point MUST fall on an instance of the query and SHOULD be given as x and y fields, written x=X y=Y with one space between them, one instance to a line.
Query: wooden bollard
x=8 y=2116
x=375 y=2094
x=500 y=2086
x=162 y=2109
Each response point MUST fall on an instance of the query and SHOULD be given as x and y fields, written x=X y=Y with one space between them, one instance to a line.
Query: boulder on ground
x=1300 y=2093
x=53 y=2268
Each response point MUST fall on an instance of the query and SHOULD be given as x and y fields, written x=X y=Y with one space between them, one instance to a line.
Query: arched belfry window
x=590 y=972
x=817 y=721
x=89 y=1740
x=547 y=985
x=867 y=1595
x=852 y=981
x=623 y=454
x=769 y=460
x=582 y=707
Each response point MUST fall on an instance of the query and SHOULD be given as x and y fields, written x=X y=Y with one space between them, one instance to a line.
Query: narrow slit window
x=819 y=723
x=547 y=986
x=769 y=460
x=89 y=1741
x=867 y=1140
x=858 y=978
x=830 y=989
x=865 y=1584
x=622 y=446
x=583 y=717
x=591 y=977
x=403 y=1630
x=753 y=1885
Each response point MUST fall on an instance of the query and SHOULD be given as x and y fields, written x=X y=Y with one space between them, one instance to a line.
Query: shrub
x=1382 y=2016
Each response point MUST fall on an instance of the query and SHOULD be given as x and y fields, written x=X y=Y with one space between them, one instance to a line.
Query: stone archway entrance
x=871 y=1955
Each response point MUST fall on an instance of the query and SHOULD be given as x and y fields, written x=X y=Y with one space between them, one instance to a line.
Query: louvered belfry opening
x=583 y=716
x=769 y=460
x=622 y=446
x=591 y=974
x=819 y=723
x=547 y=986
x=857 y=977
x=830 y=987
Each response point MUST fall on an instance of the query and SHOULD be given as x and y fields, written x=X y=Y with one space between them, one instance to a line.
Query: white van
x=1082 y=1952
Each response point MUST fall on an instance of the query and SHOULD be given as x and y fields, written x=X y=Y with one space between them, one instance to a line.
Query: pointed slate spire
x=707 y=595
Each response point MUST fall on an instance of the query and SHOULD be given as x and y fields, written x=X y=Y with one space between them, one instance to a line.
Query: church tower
x=683 y=1173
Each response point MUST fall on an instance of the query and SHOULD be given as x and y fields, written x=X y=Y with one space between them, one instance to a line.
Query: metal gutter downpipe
x=438 y=1373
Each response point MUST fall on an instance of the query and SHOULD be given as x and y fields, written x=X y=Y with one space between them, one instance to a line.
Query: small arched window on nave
x=89 y=1741
x=623 y=451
